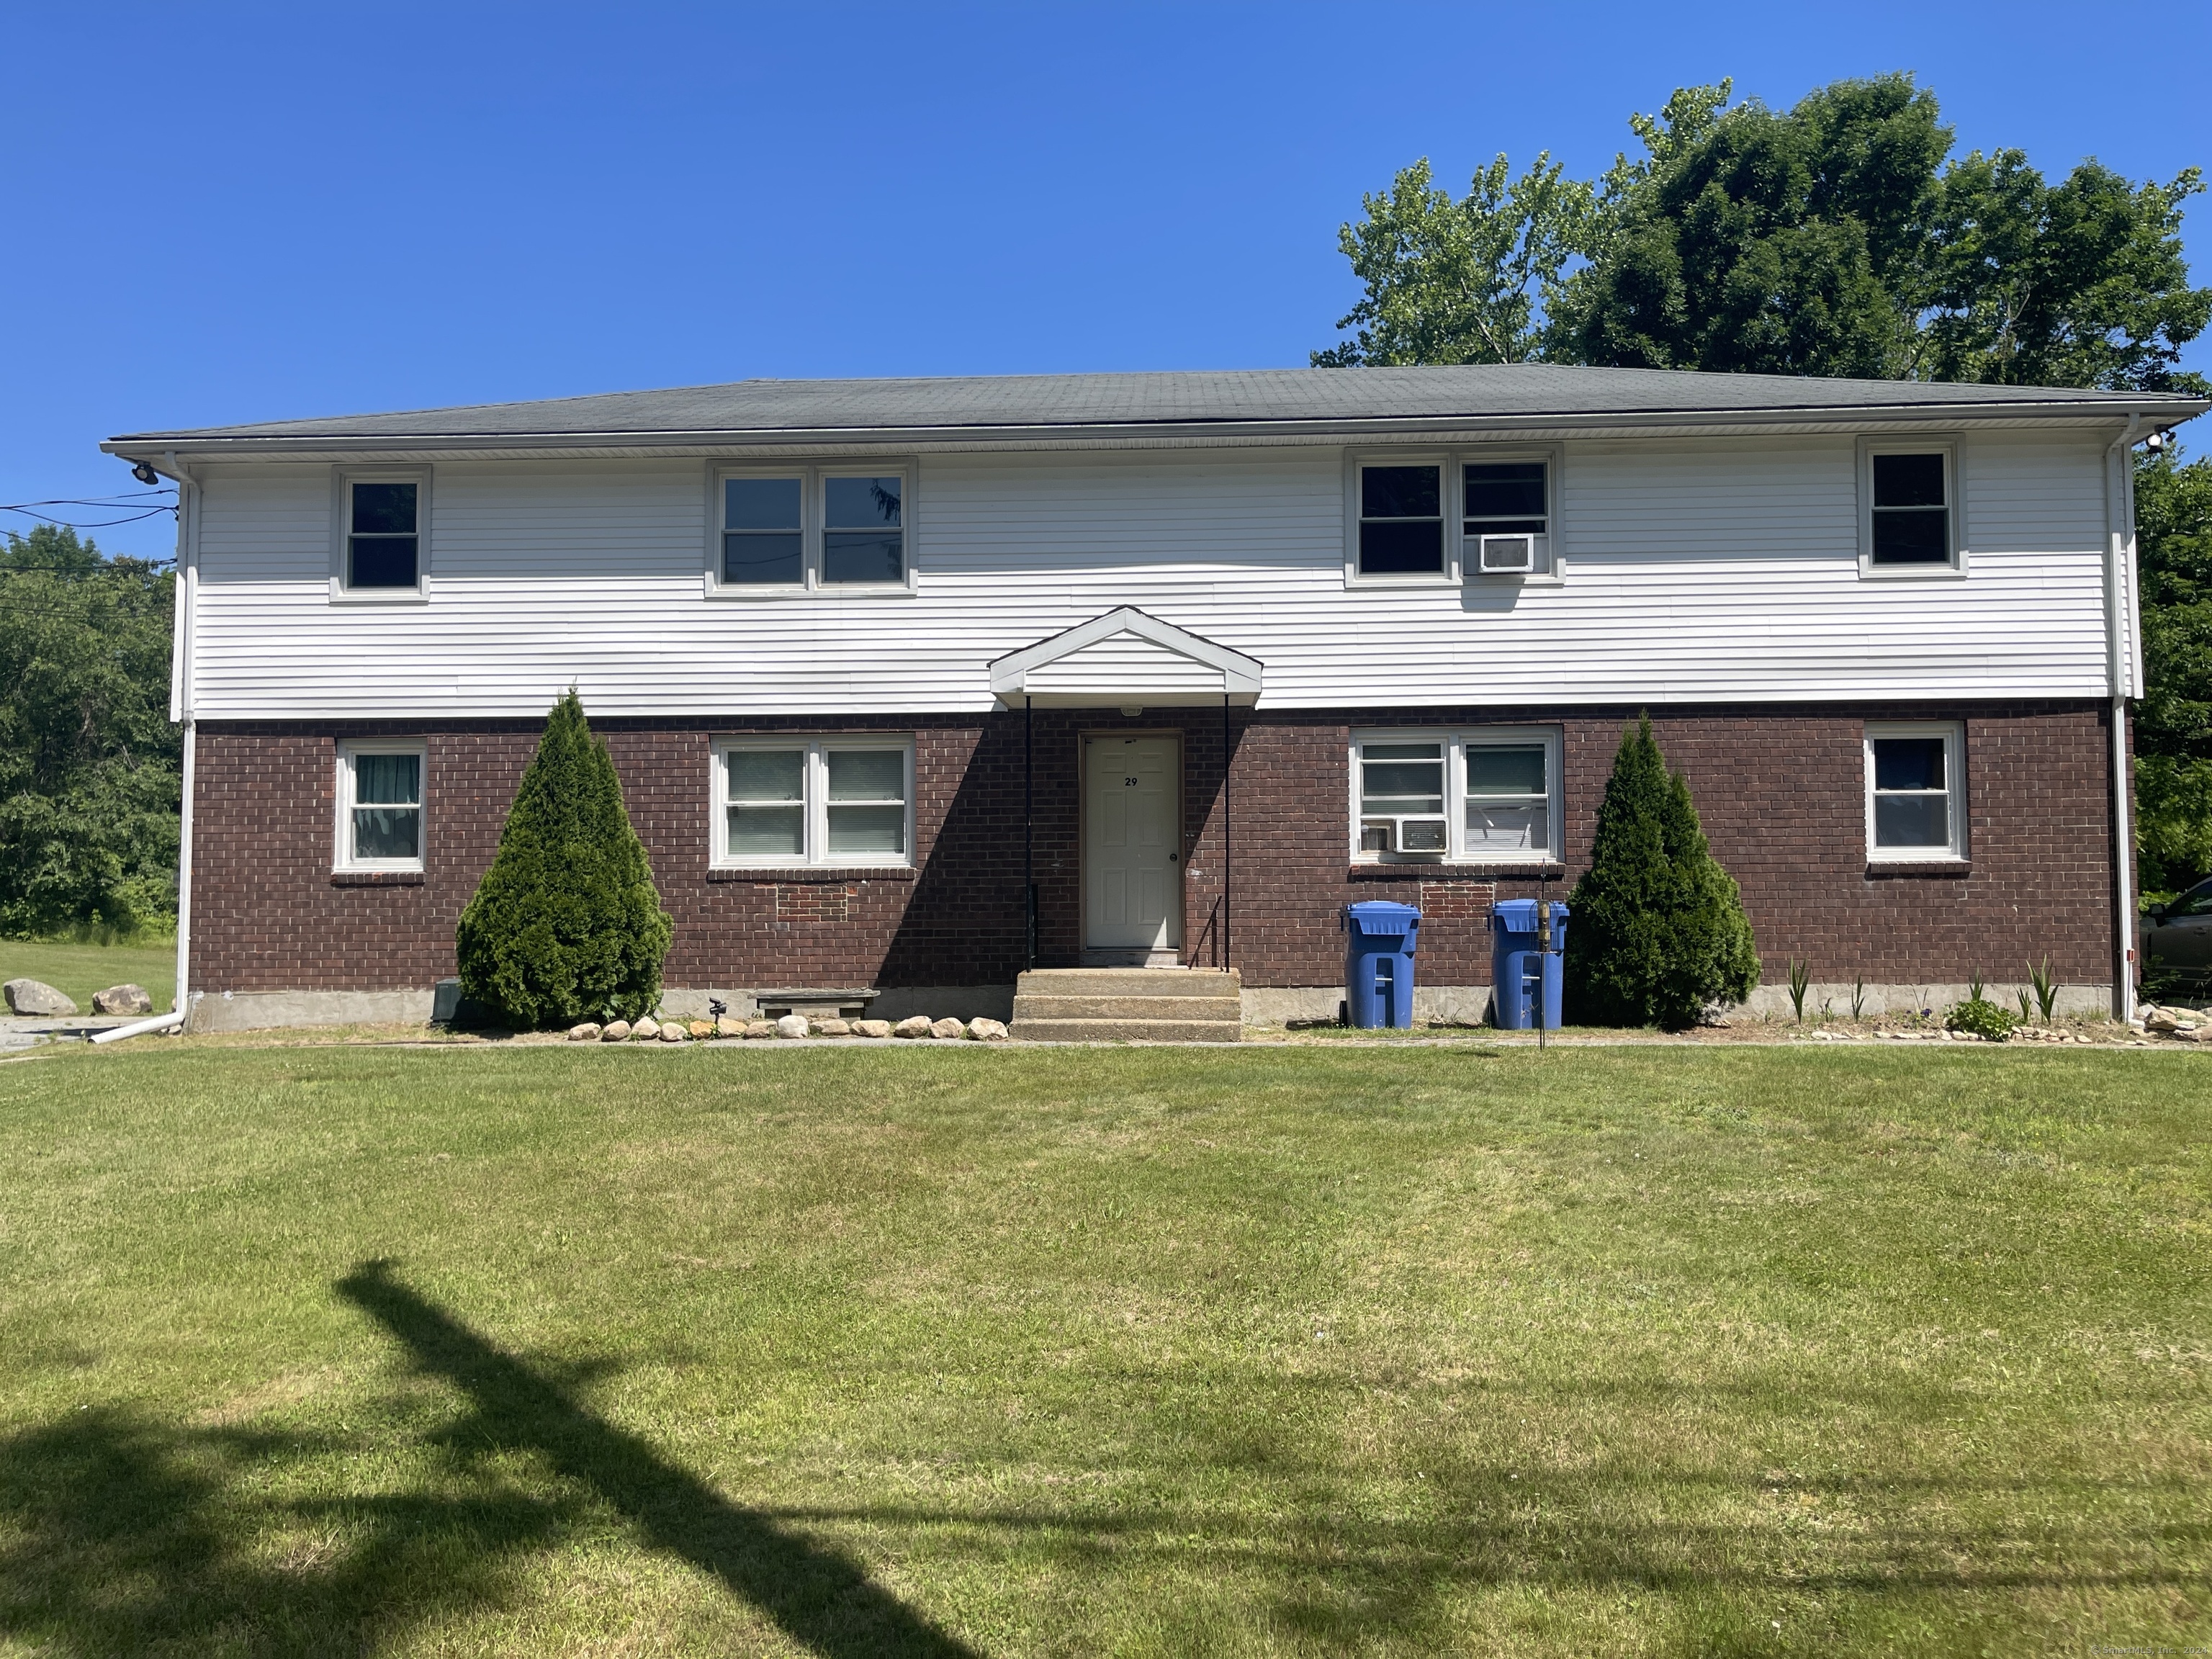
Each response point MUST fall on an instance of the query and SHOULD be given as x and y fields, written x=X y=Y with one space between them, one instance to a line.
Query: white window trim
x=1553 y=575
x=813 y=477
x=342 y=858
x=1954 y=495
x=1954 y=779
x=1456 y=742
x=1462 y=562
x=341 y=482
x=814 y=791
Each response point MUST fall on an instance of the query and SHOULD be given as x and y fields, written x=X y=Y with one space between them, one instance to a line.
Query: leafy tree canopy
x=1833 y=238
x=89 y=762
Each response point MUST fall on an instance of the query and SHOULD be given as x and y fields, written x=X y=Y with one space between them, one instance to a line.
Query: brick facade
x=1779 y=791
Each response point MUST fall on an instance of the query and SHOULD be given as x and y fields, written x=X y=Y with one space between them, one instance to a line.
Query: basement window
x=379 y=796
x=783 y=803
x=1913 y=797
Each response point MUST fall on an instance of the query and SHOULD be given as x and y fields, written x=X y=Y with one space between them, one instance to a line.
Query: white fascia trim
x=1240 y=674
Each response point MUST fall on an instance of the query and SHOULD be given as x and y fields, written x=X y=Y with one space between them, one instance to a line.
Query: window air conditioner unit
x=1502 y=555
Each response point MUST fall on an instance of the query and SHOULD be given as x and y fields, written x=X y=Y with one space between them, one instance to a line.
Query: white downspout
x=181 y=700
x=2119 y=483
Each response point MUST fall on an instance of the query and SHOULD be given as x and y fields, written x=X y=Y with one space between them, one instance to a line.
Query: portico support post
x=1028 y=834
x=1225 y=862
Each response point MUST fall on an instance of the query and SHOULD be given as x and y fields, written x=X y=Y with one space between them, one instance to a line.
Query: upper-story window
x=1506 y=518
x=801 y=530
x=1910 y=523
x=1487 y=795
x=382 y=518
x=381 y=806
x=1401 y=519
x=1476 y=517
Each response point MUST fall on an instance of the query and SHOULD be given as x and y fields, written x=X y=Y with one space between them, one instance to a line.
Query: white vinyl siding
x=1713 y=569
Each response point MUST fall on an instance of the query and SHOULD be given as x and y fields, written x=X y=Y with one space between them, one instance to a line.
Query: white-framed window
x=1483 y=795
x=1912 y=517
x=1915 y=791
x=1473 y=516
x=380 y=547
x=1505 y=516
x=782 y=802
x=381 y=812
x=787 y=529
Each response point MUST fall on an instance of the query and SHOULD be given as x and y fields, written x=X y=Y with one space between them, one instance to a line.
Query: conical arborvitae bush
x=566 y=924
x=1657 y=928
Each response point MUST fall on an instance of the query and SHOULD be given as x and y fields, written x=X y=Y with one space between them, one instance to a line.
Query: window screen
x=1509 y=801
x=1401 y=526
x=1912 y=794
x=763 y=539
x=863 y=539
x=1911 y=510
x=383 y=539
x=387 y=814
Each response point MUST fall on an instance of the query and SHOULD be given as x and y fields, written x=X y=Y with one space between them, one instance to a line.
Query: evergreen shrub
x=565 y=925
x=1657 y=930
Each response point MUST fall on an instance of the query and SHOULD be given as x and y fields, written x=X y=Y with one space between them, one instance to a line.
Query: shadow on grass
x=120 y=1534
x=818 y=1595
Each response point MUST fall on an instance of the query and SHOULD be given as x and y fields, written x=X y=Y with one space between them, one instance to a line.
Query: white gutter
x=158 y=1023
x=181 y=707
x=2119 y=484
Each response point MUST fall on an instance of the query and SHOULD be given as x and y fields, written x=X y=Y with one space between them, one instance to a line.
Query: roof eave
x=2161 y=409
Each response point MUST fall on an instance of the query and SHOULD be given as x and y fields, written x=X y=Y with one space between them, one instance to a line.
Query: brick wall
x=1779 y=791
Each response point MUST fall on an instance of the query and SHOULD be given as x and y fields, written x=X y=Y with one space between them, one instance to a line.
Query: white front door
x=1132 y=864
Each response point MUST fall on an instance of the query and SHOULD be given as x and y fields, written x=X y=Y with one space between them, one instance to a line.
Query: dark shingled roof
x=977 y=403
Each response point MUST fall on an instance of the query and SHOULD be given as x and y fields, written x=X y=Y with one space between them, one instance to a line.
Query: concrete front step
x=1130 y=982
x=1127 y=1030
x=1231 y=1009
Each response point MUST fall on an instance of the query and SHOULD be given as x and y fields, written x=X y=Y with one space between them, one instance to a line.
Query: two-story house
x=914 y=684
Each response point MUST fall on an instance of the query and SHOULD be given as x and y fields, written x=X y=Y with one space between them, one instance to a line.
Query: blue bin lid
x=1519 y=915
x=1378 y=918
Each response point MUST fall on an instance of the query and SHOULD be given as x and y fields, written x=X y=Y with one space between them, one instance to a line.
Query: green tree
x=89 y=763
x=1464 y=282
x=1832 y=237
x=566 y=924
x=2173 y=722
x=1769 y=242
x=1656 y=929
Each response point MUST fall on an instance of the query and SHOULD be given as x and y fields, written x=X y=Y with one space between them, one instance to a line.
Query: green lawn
x=1628 y=1351
x=81 y=969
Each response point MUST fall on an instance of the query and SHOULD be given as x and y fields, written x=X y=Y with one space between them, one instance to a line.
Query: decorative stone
x=757 y=1029
x=914 y=1026
x=122 y=999
x=792 y=1025
x=832 y=1027
x=588 y=1032
x=36 y=999
x=646 y=1029
x=727 y=1027
x=872 y=1028
x=987 y=1030
x=616 y=1031
x=672 y=1032
x=948 y=1030
x=2157 y=1019
x=701 y=1028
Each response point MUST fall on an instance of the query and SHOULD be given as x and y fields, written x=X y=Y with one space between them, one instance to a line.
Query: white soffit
x=1126 y=657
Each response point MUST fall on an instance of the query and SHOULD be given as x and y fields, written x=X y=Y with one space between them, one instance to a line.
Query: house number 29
x=1128 y=783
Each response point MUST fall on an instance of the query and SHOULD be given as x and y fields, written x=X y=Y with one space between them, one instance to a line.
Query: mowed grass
x=78 y=970
x=1317 y=1350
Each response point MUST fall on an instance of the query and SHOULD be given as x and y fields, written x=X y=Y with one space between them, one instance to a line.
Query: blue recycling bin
x=1379 y=938
x=1520 y=968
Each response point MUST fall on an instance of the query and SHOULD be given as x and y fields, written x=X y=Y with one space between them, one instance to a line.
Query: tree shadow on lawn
x=119 y=1533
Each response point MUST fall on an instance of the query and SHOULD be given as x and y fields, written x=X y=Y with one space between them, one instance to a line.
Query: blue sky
x=226 y=213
